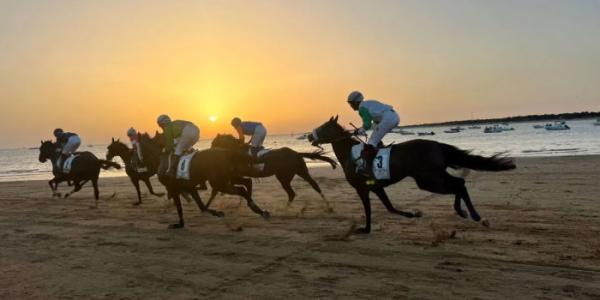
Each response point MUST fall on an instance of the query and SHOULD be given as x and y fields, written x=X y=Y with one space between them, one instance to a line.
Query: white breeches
x=72 y=144
x=389 y=121
x=189 y=136
x=258 y=138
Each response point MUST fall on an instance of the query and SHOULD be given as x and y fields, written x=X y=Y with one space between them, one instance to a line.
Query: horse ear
x=41 y=142
x=118 y=140
x=336 y=118
x=113 y=140
x=331 y=119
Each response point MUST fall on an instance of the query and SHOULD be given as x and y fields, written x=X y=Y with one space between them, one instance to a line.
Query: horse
x=85 y=167
x=284 y=163
x=117 y=148
x=219 y=167
x=424 y=160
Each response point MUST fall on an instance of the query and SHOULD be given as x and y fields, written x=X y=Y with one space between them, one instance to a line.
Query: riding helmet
x=163 y=120
x=235 y=122
x=355 y=97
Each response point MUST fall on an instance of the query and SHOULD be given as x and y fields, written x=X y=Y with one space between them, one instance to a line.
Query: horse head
x=327 y=133
x=47 y=150
x=226 y=141
x=116 y=148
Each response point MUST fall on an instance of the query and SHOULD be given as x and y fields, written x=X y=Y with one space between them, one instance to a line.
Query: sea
x=524 y=141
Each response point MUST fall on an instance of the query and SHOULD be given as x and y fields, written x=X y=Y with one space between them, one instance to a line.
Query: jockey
x=67 y=142
x=254 y=129
x=180 y=136
x=134 y=138
x=374 y=114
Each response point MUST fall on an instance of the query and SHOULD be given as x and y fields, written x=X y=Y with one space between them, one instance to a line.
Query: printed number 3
x=379 y=161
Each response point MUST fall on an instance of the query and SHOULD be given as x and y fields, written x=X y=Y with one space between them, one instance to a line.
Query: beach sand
x=543 y=242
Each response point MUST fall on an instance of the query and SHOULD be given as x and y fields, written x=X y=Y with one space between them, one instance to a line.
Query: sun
x=212 y=118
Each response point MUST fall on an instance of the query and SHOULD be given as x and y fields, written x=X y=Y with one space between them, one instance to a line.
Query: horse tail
x=318 y=155
x=457 y=158
x=106 y=164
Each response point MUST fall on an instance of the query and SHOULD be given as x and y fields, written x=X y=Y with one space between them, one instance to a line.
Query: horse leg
x=285 y=179
x=96 y=192
x=76 y=188
x=238 y=190
x=380 y=192
x=458 y=207
x=465 y=196
x=246 y=182
x=150 y=189
x=136 y=184
x=203 y=208
x=306 y=176
x=213 y=194
x=53 y=183
x=363 y=193
x=177 y=201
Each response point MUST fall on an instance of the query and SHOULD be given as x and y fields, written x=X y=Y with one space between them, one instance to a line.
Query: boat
x=497 y=128
x=452 y=130
x=538 y=126
x=457 y=128
x=597 y=123
x=474 y=127
x=557 y=125
x=493 y=129
x=425 y=133
x=402 y=131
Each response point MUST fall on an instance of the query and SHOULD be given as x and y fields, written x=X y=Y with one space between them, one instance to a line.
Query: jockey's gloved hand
x=360 y=131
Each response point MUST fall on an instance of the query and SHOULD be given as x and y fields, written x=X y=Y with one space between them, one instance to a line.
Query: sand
x=543 y=242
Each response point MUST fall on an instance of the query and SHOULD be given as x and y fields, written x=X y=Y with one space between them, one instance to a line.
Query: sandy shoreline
x=544 y=241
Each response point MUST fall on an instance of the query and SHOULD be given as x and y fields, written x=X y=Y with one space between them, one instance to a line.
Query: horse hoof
x=175 y=226
x=266 y=215
x=66 y=196
x=485 y=222
x=218 y=214
x=159 y=194
x=361 y=230
x=417 y=214
x=329 y=210
x=463 y=214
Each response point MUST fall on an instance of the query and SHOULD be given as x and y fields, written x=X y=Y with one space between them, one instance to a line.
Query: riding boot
x=254 y=151
x=172 y=172
x=60 y=161
x=368 y=154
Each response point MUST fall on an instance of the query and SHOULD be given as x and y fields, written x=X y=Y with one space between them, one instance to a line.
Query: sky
x=99 y=67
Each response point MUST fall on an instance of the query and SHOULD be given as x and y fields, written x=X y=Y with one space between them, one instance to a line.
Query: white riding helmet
x=355 y=97
x=131 y=132
x=163 y=120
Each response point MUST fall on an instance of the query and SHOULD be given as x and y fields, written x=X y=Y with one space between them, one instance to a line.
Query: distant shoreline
x=527 y=118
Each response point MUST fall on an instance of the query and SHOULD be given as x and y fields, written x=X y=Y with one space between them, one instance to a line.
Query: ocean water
x=582 y=139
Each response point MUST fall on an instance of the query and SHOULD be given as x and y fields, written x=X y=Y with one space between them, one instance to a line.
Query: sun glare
x=212 y=118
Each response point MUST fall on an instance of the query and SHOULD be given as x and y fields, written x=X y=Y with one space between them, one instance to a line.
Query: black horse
x=117 y=148
x=85 y=167
x=219 y=167
x=426 y=161
x=284 y=163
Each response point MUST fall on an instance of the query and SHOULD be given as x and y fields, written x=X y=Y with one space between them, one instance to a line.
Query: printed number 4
x=182 y=166
x=379 y=161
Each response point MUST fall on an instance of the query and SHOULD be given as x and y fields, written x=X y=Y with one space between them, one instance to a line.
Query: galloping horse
x=217 y=166
x=426 y=161
x=284 y=163
x=117 y=148
x=85 y=167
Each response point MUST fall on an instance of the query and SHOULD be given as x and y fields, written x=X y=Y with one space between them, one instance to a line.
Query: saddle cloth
x=183 y=168
x=260 y=152
x=381 y=162
x=66 y=167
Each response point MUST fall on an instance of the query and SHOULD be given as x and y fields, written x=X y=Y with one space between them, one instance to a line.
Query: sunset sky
x=99 y=67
